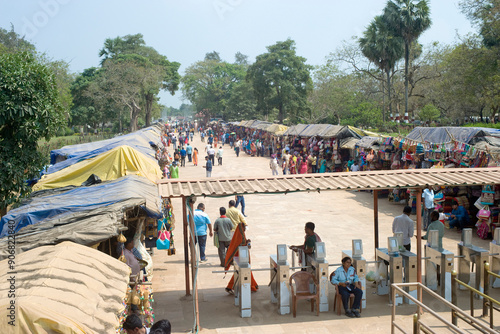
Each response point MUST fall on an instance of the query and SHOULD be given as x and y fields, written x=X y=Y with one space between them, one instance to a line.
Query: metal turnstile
x=243 y=282
x=319 y=267
x=467 y=254
x=359 y=263
x=280 y=280
x=394 y=269
x=495 y=258
x=409 y=267
x=438 y=266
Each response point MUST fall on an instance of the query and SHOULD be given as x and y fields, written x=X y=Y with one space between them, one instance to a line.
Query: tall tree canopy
x=408 y=19
x=383 y=48
x=29 y=110
x=281 y=81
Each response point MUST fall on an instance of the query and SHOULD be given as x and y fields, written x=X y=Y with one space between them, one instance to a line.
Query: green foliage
x=209 y=83
x=485 y=14
x=364 y=115
x=483 y=125
x=29 y=110
x=429 y=113
x=241 y=103
x=281 y=80
x=11 y=42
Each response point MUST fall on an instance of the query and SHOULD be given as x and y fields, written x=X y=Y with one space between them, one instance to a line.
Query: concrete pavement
x=339 y=216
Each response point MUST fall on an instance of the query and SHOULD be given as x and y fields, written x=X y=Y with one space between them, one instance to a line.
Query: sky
x=185 y=30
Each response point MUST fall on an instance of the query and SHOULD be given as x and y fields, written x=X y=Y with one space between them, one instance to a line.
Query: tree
x=282 y=81
x=429 y=113
x=241 y=104
x=10 y=41
x=29 y=110
x=384 y=49
x=158 y=72
x=208 y=84
x=485 y=14
x=408 y=20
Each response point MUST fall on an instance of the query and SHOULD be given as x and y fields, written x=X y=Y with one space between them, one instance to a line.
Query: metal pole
x=186 y=243
x=415 y=324
x=375 y=217
x=486 y=281
x=393 y=314
x=454 y=297
x=419 y=245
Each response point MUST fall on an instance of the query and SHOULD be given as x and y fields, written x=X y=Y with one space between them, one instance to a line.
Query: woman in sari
x=303 y=165
x=291 y=165
x=322 y=165
x=195 y=156
x=253 y=149
x=239 y=239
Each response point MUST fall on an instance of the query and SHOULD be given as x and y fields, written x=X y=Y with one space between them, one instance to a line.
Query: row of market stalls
x=88 y=199
x=341 y=146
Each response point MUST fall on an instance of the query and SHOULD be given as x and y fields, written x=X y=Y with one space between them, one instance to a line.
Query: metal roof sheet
x=414 y=178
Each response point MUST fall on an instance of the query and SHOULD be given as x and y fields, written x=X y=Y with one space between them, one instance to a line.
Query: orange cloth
x=239 y=239
x=195 y=157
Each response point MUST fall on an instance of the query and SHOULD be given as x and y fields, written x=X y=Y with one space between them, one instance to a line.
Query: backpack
x=482 y=230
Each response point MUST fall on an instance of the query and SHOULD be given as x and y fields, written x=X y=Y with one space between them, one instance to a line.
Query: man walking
x=235 y=215
x=208 y=166
x=222 y=227
x=189 y=151
x=428 y=196
x=219 y=156
x=405 y=225
x=201 y=222
x=240 y=199
x=237 y=147
x=211 y=154
x=183 y=157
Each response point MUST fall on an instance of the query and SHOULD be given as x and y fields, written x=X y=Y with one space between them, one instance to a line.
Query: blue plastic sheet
x=139 y=140
x=79 y=202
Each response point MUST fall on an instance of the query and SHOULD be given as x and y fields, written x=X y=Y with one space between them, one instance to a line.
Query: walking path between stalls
x=340 y=216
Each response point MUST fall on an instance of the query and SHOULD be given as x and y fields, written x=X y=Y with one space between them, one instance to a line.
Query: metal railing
x=489 y=302
x=418 y=325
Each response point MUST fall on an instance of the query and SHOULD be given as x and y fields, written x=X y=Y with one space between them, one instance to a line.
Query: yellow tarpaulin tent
x=277 y=129
x=111 y=165
x=67 y=288
x=364 y=133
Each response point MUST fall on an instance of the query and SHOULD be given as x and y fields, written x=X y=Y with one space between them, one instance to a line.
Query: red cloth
x=239 y=239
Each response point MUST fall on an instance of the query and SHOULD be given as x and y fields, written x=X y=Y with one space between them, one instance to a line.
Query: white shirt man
x=405 y=225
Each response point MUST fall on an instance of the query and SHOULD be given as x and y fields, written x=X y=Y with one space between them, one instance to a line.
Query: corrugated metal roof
x=220 y=187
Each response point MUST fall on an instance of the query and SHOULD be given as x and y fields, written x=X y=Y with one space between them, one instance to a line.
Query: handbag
x=216 y=240
x=484 y=213
x=163 y=241
x=488 y=195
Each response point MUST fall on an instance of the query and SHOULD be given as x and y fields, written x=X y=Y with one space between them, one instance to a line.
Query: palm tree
x=408 y=20
x=383 y=48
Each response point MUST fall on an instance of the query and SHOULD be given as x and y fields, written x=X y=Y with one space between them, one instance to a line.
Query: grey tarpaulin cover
x=442 y=135
x=85 y=215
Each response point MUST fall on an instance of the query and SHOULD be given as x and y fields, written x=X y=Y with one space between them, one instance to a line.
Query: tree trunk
x=134 y=115
x=149 y=106
x=389 y=92
x=407 y=65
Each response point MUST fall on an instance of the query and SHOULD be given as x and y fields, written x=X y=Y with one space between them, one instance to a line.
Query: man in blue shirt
x=347 y=280
x=189 y=151
x=201 y=222
x=459 y=216
x=208 y=166
x=183 y=157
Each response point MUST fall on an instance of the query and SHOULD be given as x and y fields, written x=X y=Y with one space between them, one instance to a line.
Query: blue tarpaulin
x=139 y=140
x=76 y=204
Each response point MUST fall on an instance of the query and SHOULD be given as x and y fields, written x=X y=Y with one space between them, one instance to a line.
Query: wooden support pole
x=186 y=247
x=419 y=237
x=375 y=217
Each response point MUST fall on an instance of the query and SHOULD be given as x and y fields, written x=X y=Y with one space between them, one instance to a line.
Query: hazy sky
x=184 y=30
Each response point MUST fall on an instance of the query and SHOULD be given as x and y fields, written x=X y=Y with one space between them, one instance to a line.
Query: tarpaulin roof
x=313 y=130
x=294 y=130
x=363 y=133
x=338 y=131
x=68 y=289
x=442 y=135
x=349 y=143
x=75 y=153
x=85 y=215
x=262 y=125
x=118 y=162
x=369 y=142
x=277 y=129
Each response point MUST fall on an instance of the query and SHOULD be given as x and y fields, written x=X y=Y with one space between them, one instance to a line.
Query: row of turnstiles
x=394 y=265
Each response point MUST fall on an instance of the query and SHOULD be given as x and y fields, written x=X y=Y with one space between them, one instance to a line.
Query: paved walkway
x=339 y=216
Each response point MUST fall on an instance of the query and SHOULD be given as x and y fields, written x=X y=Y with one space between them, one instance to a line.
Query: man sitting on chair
x=346 y=279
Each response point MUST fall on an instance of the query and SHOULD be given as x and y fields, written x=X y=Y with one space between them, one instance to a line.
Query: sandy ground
x=340 y=216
